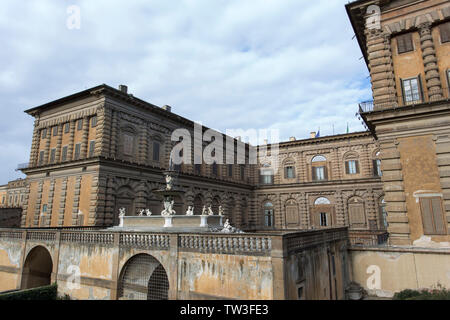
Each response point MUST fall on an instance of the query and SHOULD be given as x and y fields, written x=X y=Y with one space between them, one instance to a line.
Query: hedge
x=439 y=293
x=40 y=293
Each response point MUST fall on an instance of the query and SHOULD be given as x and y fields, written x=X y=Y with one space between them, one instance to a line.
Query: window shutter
x=293 y=171
x=419 y=80
x=445 y=32
x=357 y=166
x=409 y=46
x=438 y=218
x=313 y=171
x=285 y=172
x=427 y=221
x=325 y=173
x=347 y=170
x=401 y=44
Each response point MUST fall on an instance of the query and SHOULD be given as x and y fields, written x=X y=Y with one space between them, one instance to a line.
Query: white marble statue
x=210 y=212
x=204 y=211
x=221 y=212
x=190 y=211
x=141 y=213
x=227 y=227
x=169 y=182
x=168 y=209
x=148 y=213
x=122 y=212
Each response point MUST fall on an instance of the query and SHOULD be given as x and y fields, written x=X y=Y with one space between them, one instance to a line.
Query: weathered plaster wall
x=400 y=269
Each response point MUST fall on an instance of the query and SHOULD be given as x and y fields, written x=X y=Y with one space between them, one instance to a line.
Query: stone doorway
x=37 y=270
x=143 y=278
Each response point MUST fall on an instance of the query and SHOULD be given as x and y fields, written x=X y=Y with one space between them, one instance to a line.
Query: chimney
x=292 y=139
x=123 y=88
x=167 y=108
x=313 y=135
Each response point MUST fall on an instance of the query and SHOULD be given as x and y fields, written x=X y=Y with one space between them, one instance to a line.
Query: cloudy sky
x=290 y=65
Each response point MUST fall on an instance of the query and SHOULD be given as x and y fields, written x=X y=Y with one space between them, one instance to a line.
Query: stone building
x=406 y=45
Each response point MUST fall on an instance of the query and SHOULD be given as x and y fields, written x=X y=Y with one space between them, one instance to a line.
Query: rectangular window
x=198 y=168
x=44 y=208
x=230 y=170
x=91 y=148
x=445 y=32
x=3 y=200
x=55 y=130
x=351 y=167
x=214 y=169
x=267 y=176
x=405 y=43
x=323 y=219
x=319 y=173
x=44 y=133
x=155 y=151
x=64 y=154
x=66 y=128
x=77 y=151
x=128 y=142
x=268 y=217
x=411 y=90
x=289 y=172
x=41 y=158
x=80 y=124
x=52 y=155
x=242 y=171
x=93 y=121
x=433 y=219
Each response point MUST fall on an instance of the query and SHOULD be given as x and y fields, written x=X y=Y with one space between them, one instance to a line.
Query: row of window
x=66 y=127
x=412 y=89
x=13 y=199
x=405 y=41
x=319 y=172
x=64 y=154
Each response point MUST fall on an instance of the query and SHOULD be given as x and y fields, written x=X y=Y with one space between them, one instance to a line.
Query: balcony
x=405 y=100
x=22 y=166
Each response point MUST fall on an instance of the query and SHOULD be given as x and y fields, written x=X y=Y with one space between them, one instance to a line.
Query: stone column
x=114 y=133
x=25 y=206
x=103 y=132
x=84 y=139
x=399 y=232
x=34 y=154
x=37 y=208
x=47 y=146
x=143 y=144
x=62 y=202
x=381 y=69
x=341 y=219
x=51 y=194
x=71 y=141
x=109 y=202
x=58 y=143
x=76 y=201
x=432 y=77
x=97 y=201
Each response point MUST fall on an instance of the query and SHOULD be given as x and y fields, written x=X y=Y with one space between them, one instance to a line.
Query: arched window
x=321 y=200
x=268 y=214
x=319 y=168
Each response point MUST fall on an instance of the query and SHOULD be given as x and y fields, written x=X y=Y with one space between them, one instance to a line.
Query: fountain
x=169 y=220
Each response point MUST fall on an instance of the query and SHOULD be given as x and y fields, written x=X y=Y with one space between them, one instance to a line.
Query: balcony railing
x=405 y=100
x=22 y=166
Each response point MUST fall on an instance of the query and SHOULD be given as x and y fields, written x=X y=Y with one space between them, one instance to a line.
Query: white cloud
x=286 y=64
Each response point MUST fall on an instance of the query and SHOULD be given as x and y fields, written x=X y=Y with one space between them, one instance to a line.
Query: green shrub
x=437 y=293
x=40 y=293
